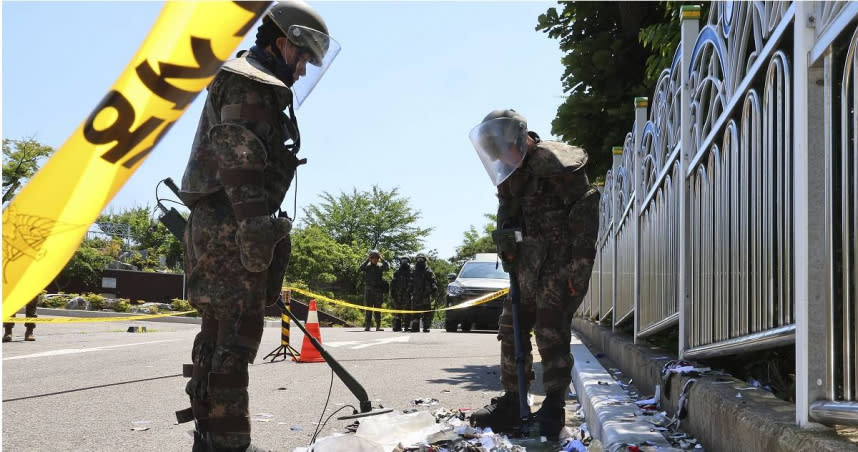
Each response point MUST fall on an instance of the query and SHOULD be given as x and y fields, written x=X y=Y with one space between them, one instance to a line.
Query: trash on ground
x=425 y=401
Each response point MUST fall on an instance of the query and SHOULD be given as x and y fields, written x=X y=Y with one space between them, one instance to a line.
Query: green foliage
x=122 y=305
x=21 y=160
x=86 y=265
x=153 y=309
x=180 y=305
x=95 y=301
x=58 y=301
x=319 y=261
x=149 y=235
x=605 y=70
x=369 y=219
x=476 y=242
x=662 y=38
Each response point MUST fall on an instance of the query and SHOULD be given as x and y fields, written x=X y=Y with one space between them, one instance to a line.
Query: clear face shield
x=316 y=53
x=501 y=144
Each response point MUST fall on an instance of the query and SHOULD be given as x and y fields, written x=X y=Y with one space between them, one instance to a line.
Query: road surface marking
x=71 y=351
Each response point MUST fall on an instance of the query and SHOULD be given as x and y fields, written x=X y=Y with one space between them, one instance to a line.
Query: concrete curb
x=721 y=421
x=612 y=416
x=97 y=314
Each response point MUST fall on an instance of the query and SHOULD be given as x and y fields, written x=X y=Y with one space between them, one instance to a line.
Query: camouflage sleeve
x=248 y=115
x=509 y=208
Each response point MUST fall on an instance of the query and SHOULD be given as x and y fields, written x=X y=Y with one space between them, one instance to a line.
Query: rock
x=77 y=303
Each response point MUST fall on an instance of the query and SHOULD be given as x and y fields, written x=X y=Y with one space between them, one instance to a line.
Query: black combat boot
x=397 y=324
x=29 y=335
x=551 y=417
x=502 y=415
x=7 y=334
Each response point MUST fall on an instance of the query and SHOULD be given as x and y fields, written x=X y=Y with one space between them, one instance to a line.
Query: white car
x=479 y=276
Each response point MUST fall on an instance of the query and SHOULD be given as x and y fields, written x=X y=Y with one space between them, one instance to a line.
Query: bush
x=153 y=309
x=123 y=305
x=57 y=301
x=96 y=302
x=180 y=305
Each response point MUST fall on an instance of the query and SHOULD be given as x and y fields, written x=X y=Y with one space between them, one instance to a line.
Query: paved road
x=95 y=387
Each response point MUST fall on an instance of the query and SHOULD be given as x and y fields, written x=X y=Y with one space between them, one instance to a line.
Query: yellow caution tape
x=91 y=319
x=465 y=304
x=45 y=223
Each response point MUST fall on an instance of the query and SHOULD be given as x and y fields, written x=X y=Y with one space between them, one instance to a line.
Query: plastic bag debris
x=574 y=446
x=425 y=401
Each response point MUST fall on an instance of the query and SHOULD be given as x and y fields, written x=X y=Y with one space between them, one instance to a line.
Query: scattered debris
x=425 y=401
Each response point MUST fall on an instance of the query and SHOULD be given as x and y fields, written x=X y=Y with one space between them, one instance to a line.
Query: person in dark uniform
x=400 y=293
x=423 y=288
x=374 y=288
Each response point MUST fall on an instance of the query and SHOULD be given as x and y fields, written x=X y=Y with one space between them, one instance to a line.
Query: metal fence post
x=690 y=17
x=617 y=152
x=641 y=105
x=811 y=263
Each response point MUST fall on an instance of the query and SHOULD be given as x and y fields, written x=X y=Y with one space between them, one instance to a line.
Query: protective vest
x=243 y=76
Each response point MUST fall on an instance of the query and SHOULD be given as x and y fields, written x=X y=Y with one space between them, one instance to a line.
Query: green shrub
x=180 y=305
x=58 y=301
x=153 y=309
x=96 y=301
x=123 y=305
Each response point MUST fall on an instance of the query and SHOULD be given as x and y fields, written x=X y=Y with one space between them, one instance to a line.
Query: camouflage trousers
x=402 y=320
x=548 y=300
x=373 y=298
x=422 y=305
x=29 y=311
x=232 y=302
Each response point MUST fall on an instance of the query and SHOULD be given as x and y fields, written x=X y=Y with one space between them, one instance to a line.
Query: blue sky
x=394 y=109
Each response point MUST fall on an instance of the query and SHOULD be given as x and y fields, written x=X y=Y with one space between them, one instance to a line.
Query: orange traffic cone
x=309 y=354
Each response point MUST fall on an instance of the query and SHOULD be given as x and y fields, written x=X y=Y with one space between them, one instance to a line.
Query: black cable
x=330 y=387
x=172 y=201
x=332 y=415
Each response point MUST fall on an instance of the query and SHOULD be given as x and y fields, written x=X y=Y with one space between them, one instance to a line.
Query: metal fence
x=731 y=212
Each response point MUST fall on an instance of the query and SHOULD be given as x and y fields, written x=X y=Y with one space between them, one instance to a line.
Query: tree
x=87 y=263
x=21 y=160
x=605 y=70
x=476 y=242
x=662 y=38
x=369 y=219
x=149 y=238
x=320 y=262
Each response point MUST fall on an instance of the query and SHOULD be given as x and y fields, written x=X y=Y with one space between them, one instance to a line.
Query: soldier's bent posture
x=423 y=288
x=400 y=293
x=236 y=247
x=543 y=192
x=373 y=288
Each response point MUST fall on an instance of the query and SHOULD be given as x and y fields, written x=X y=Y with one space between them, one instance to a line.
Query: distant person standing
x=400 y=293
x=373 y=288
x=30 y=311
x=423 y=289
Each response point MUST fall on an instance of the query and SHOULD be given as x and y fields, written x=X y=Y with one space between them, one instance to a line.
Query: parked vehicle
x=477 y=277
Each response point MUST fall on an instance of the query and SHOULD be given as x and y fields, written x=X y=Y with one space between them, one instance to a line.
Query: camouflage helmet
x=420 y=256
x=302 y=26
x=374 y=253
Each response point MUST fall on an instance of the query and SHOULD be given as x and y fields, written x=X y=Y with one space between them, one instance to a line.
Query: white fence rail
x=730 y=210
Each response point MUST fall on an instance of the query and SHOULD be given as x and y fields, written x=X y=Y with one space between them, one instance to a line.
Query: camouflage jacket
x=400 y=286
x=541 y=198
x=423 y=284
x=239 y=143
x=373 y=274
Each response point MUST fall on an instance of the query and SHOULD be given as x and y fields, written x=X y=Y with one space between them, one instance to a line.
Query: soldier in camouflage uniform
x=29 y=311
x=236 y=248
x=423 y=288
x=543 y=191
x=400 y=293
x=373 y=287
